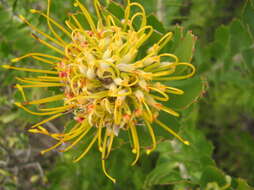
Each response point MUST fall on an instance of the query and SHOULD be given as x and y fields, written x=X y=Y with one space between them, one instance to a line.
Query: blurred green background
x=219 y=123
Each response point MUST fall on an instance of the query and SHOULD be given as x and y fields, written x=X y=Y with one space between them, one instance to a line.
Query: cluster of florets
x=107 y=85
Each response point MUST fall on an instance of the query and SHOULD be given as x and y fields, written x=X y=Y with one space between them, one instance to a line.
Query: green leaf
x=193 y=89
x=171 y=121
x=5 y=18
x=248 y=58
x=222 y=34
x=243 y=185
x=177 y=36
x=116 y=9
x=248 y=15
x=182 y=44
x=185 y=48
x=240 y=38
x=179 y=163
x=163 y=174
x=220 y=48
x=212 y=174
x=155 y=23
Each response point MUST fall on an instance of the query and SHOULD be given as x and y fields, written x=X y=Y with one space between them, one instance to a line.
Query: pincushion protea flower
x=106 y=87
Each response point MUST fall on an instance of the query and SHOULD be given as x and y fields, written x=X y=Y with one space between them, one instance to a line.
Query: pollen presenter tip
x=22 y=18
x=15 y=60
x=148 y=151
x=33 y=10
x=6 y=66
x=18 y=104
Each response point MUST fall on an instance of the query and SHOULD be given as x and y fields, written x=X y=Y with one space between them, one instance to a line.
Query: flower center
x=103 y=80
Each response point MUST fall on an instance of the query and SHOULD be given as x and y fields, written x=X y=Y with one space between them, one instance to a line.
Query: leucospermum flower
x=105 y=86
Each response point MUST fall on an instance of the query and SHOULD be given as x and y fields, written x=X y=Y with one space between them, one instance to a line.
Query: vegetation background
x=219 y=123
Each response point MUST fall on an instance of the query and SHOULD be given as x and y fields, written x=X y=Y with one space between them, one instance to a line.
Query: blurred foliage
x=219 y=125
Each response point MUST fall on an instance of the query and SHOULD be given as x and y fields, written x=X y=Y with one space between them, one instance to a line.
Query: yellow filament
x=77 y=22
x=97 y=9
x=19 y=87
x=51 y=20
x=88 y=148
x=136 y=148
x=171 y=56
x=70 y=25
x=106 y=103
x=95 y=96
x=99 y=135
x=180 y=77
x=42 y=85
x=170 y=67
x=35 y=113
x=49 y=25
x=32 y=81
x=75 y=127
x=52 y=147
x=56 y=108
x=151 y=132
x=29 y=70
x=133 y=83
x=143 y=23
x=47 y=44
x=146 y=36
x=103 y=159
x=134 y=17
x=169 y=111
x=126 y=14
x=78 y=139
x=152 y=66
x=115 y=69
x=40 y=32
x=48 y=99
x=46 y=120
x=50 y=78
x=172 y=132
x=43 y=60
x=122 y=94
x=86 y=14
x=117 y=114
x=164 y=40
x=150 y=115
x=111 y=139
x=40 y=130
x=165 y=96
x=72 y=82
x=75 y=132
x=36 y=54
x=162 y=73
x=110 y=20
x=127 y=109
x=69 y=53
x=87 y=36
x=39 y=79
x=173 y=90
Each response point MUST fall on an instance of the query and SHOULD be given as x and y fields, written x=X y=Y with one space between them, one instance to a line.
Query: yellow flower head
x=105 y=86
